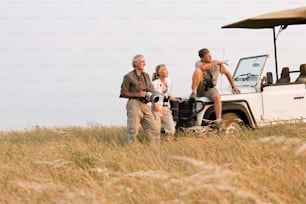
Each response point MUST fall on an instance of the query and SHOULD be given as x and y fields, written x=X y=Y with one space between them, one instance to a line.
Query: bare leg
x=217 y=105
x=196 y=79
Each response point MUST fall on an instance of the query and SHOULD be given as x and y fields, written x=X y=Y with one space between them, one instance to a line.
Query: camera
x=151 y=96
x=208 y=84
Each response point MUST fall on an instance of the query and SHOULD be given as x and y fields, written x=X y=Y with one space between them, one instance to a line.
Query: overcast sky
x=62 y=61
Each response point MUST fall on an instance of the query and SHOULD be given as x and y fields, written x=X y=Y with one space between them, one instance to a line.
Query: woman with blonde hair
x=162 y=84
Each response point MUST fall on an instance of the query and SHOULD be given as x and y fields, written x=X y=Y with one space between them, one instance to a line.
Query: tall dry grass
x=94 y=165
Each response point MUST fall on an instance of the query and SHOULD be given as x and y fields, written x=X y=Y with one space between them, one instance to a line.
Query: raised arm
x=211 y=64
x=228 y=75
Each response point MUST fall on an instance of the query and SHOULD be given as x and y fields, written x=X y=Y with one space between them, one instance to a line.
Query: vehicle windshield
x=249 y=70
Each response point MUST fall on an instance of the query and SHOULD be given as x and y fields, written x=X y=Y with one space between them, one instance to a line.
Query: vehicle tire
x=231 y=122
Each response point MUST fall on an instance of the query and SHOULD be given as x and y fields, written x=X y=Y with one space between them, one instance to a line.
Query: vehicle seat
x=285 y=78
x=302 y=77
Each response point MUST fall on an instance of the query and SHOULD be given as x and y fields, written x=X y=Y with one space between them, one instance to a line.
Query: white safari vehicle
x=263 y=100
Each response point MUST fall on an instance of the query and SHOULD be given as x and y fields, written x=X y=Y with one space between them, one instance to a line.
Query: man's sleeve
x=223 y=70
x=124 y=87
x=198 y=64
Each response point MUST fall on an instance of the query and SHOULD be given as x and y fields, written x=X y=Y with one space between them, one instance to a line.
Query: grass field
x=95 y=165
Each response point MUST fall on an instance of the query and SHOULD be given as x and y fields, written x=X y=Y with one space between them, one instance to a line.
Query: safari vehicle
x=263 y=100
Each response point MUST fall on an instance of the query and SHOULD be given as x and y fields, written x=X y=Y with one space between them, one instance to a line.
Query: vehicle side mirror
x=269 y=78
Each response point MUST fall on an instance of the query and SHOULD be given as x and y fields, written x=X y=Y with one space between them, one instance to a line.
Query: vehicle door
x=284 y=102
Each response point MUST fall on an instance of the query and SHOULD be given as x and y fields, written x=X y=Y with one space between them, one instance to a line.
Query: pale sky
x=62 y=61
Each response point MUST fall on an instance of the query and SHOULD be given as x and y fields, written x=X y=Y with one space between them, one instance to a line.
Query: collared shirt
x=215 y=71
x=134 y=84
x=158 y=88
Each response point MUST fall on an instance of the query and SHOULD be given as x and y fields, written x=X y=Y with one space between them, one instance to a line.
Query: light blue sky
x=62 y=61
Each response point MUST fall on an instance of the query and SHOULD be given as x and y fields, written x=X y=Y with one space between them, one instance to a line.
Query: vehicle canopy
x=281 y=18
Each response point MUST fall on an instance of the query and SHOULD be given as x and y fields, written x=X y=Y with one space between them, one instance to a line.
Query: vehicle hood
x=243 y=89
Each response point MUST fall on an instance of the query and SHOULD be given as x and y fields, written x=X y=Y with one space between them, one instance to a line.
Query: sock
x=218 y=120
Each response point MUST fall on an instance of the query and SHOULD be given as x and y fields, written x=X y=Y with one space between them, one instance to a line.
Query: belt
x=143 y=100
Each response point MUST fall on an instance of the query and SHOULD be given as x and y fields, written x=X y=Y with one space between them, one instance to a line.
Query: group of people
x=137 y=85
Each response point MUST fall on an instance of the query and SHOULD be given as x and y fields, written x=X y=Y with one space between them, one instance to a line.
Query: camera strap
x=210 y=74
x=208 y=81
x=145 y=80
x=139 y=78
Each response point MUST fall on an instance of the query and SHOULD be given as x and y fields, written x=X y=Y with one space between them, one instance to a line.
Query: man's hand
x=141 y=94
x=235 y=90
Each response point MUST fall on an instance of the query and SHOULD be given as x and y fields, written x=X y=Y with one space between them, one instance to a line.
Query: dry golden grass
x=94 y=165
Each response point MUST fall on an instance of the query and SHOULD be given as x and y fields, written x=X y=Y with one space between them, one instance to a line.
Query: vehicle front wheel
x=232 y=122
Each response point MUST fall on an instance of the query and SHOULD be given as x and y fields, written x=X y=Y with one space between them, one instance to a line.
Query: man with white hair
x=135 y=86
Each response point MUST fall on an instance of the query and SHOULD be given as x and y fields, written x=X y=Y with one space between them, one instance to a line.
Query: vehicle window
x=249 y=70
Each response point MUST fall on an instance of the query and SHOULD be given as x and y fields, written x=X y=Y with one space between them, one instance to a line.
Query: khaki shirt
x=132 y=83
x=215 y=71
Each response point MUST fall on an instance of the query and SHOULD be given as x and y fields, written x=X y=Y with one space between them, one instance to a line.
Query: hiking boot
x=193 y=96
x=217 y=124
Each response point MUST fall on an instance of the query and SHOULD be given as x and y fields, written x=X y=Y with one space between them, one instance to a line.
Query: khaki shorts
x=209 y=93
